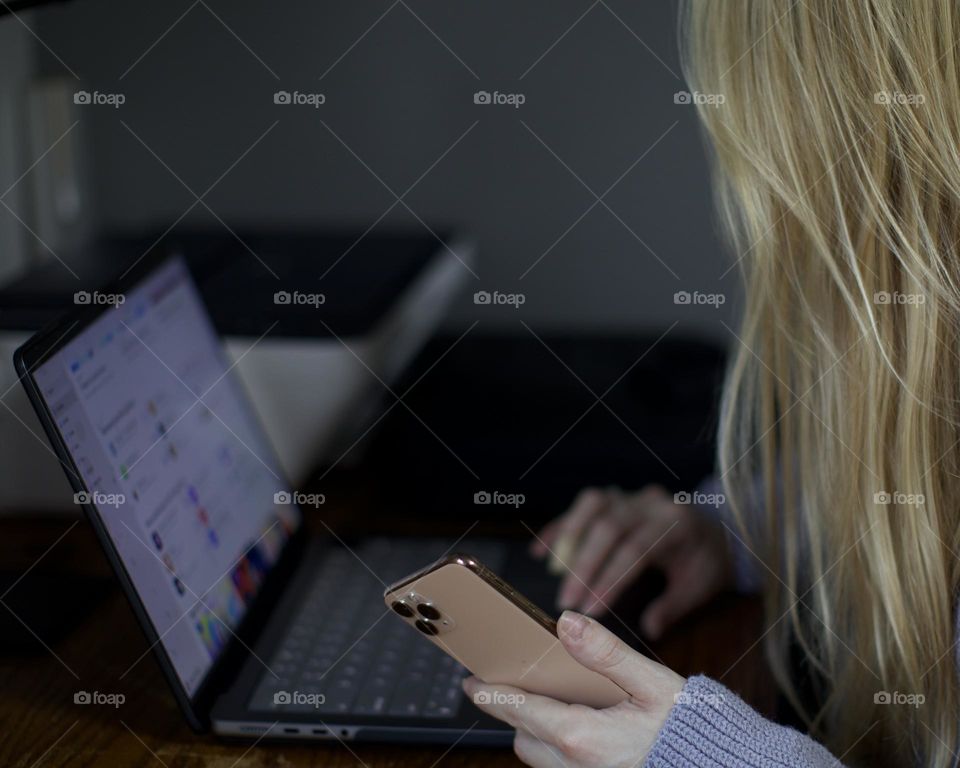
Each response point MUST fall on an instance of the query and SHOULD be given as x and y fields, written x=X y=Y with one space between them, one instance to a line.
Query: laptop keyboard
x=345 y=653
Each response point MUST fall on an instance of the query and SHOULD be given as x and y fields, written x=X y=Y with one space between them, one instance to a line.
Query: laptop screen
x=175 y=463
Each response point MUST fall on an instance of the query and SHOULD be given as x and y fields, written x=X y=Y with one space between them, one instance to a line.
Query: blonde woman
x=837 y=154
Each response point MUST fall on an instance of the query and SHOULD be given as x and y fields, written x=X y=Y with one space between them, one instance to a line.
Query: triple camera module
x=423 y=614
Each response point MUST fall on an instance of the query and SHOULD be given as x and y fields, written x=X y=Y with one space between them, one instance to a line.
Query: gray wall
x=600 y=97
x=16 y=59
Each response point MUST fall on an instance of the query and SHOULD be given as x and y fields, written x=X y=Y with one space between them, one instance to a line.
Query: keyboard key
x=343 y=647
x=408 y=700
x=373 y=698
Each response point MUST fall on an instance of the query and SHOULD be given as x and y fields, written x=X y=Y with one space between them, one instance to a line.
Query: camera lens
x=426 y=627
x=402 y=608
x=428 y=611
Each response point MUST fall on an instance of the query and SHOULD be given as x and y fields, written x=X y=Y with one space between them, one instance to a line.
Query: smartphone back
x=495 y=632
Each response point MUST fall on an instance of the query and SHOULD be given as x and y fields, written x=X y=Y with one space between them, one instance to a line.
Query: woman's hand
x=551 y=733
x=608 y=538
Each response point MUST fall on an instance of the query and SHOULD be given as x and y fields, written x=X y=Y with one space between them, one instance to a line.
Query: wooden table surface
x=41 y=727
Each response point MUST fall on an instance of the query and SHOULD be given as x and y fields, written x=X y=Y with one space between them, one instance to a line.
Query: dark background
x=399 y=78
x=515 y=406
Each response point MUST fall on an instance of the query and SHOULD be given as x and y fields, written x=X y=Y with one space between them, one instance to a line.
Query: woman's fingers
x=600 y=539
x=583 y=544
x=560 y=537
x=544 y=541
x=676 y=601
x=589 y=503
x=527 y=711
x=621 y=569
x=597 y=648
x=535 y=752
x=568 y=526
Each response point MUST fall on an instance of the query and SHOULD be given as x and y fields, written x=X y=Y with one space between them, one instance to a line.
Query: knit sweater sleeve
x=711 y=727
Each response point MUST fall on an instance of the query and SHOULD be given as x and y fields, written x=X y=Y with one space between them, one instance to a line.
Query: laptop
x=261 y=629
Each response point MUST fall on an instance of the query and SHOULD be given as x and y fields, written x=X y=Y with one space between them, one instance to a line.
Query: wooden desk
x=41 y=727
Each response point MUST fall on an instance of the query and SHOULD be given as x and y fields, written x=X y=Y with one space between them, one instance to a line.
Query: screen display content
x=176 y=465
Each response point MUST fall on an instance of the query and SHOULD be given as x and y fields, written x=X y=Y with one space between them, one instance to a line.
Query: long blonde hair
x=837 y=151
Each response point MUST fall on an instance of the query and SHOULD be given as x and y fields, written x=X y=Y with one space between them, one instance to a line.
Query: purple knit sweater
x=711 y=727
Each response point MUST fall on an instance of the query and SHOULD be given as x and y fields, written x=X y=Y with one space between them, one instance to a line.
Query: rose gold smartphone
x=500 y=636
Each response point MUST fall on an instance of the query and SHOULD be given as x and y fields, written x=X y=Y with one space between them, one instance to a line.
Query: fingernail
x=467 y=684
x=572 y=625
